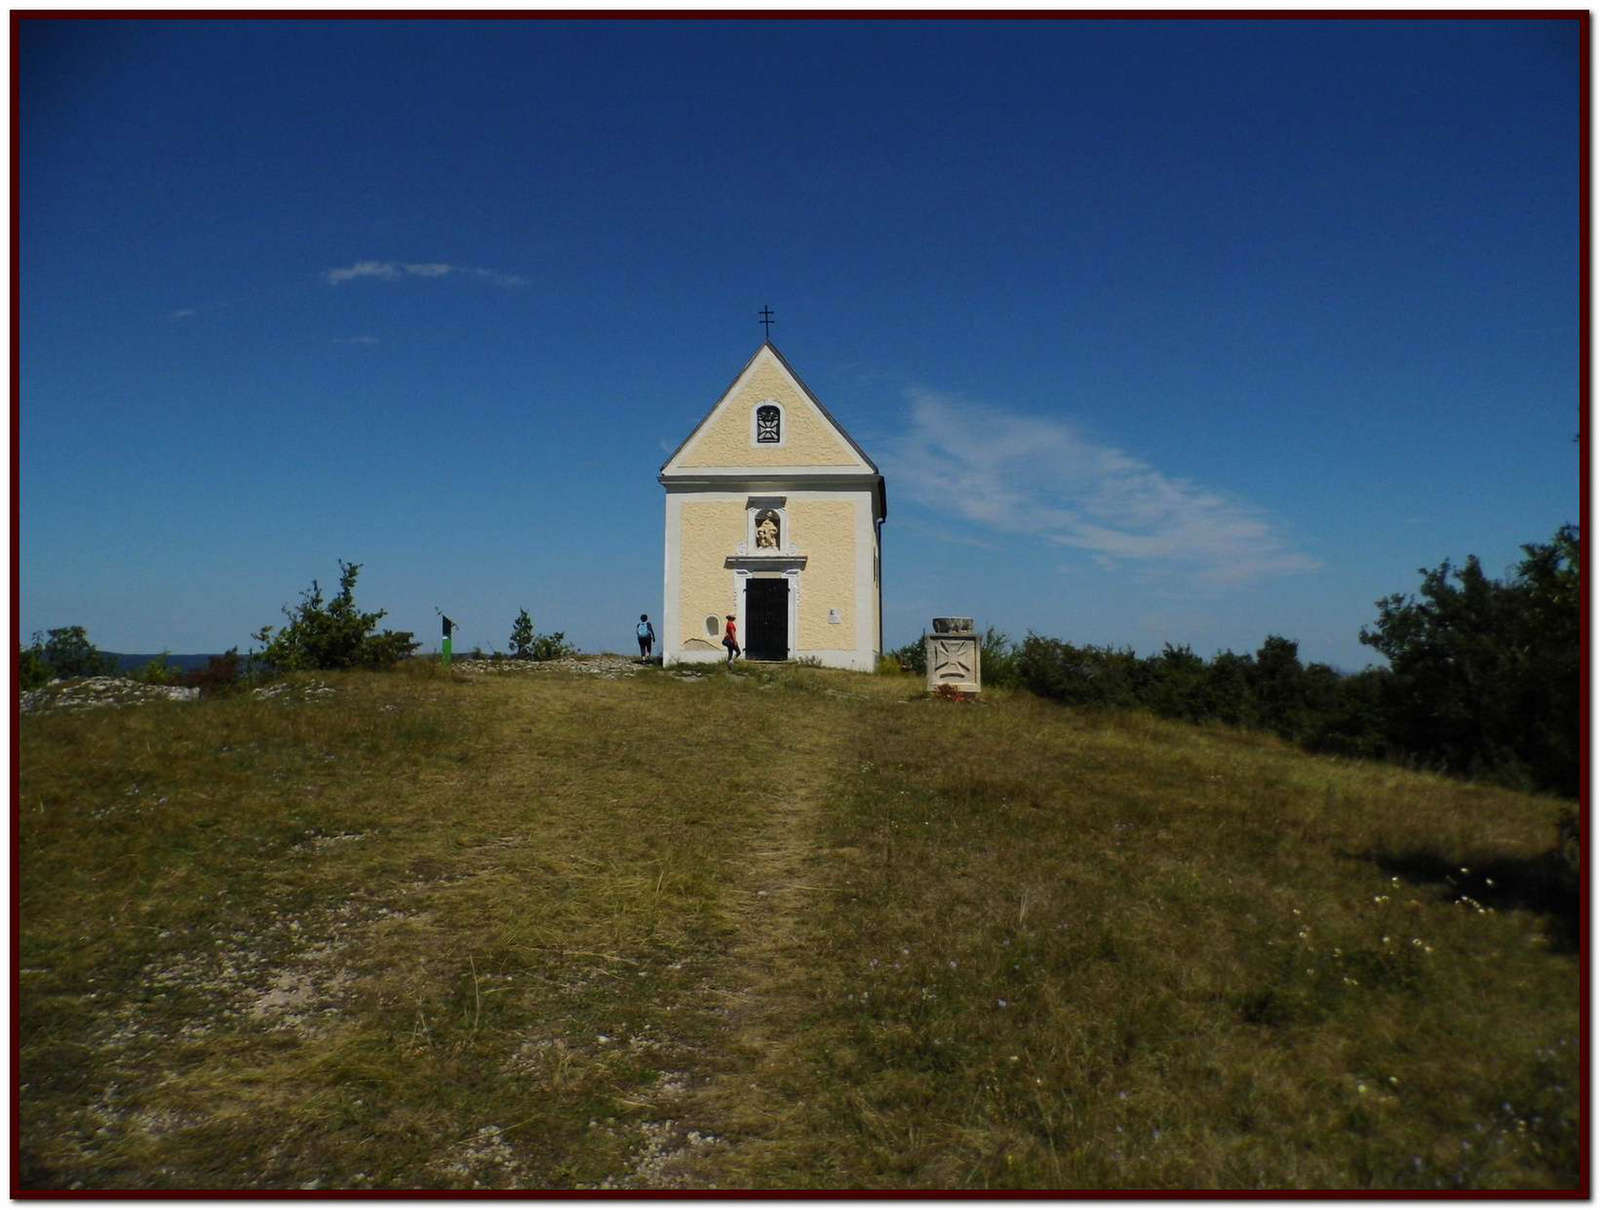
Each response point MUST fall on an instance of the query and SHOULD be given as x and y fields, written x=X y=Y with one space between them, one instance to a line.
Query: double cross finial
x=766 y=321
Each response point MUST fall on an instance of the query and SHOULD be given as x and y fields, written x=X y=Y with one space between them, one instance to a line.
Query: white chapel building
x=774 y=515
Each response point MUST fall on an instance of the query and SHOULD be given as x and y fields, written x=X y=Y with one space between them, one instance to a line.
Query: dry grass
x=780 y=928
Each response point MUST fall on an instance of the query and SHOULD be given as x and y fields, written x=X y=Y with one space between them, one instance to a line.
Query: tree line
x=1482 y=678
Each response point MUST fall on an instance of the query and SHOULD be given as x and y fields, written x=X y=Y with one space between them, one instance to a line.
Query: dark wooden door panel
x=766 y=614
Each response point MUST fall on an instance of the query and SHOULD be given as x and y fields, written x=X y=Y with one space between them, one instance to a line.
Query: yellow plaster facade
x=808 y=439
x=827 y=527
x=711 y=529
x=829 y=502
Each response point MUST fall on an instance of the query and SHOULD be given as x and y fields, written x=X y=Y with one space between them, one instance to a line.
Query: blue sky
x=1187 y=331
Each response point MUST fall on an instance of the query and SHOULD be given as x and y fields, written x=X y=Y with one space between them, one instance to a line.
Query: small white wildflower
x=1488 y=882
x=1001 y=1003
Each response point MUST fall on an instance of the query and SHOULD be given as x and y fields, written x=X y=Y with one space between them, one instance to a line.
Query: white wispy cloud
x=389 y=270
x=183 y=313
x=357 y=340
x=1023 y=474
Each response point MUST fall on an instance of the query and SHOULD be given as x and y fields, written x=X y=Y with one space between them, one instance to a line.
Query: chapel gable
x=768 y=420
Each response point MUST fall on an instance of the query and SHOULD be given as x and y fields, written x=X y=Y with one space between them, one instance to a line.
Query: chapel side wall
x=808 y=440
x=826 y=530
x=709 y=531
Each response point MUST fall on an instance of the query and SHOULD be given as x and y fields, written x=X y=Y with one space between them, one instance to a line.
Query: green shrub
x=1078 y=676
x=552 y=646
x=158 y=672
x=333 y=634
x=69 y=652
x=913 y=657
x=32 y=671
x=220 y=677
x=1487 y=673
x=522 y=636
x=998 y=666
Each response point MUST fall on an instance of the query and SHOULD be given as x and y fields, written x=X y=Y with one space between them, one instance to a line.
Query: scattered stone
x=485 y=1159
x=606 y=666
x=96 y=691
x=294 y=691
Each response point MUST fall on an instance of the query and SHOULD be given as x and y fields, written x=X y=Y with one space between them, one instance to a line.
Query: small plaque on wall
x=834 y=617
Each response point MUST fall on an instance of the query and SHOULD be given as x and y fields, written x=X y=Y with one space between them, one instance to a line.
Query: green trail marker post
x=444 y=653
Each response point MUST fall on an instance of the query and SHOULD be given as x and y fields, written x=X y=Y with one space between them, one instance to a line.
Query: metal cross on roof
x=767 y=321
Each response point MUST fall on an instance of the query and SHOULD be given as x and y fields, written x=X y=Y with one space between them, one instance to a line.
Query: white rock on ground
x=95 y=691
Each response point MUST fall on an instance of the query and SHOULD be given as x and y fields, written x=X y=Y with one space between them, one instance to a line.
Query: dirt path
x=732 y=1108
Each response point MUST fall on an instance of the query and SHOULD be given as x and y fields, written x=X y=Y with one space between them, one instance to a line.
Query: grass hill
x=778 y=927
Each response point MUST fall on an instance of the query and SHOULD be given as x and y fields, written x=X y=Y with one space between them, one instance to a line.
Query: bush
x=333 y=634
x=1078 y=676
x=70 y=653
x=552 y=646
x=158 y=672
x=32 y=671
x=522 y=636
x=913 y=657
x=998 y=660
x=220 y=676
x=1487 y=673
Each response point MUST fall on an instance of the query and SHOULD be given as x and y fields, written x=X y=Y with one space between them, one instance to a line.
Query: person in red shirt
x=730 y=639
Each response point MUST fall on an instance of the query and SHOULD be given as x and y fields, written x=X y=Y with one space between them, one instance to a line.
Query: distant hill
x=128 y=663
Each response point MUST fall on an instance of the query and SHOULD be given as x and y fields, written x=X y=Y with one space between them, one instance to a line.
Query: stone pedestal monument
x=953 y=652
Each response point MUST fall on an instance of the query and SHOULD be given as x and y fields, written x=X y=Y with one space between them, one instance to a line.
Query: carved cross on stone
x=954 y=657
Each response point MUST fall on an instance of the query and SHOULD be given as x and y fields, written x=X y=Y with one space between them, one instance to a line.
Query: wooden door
x=766 y=619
